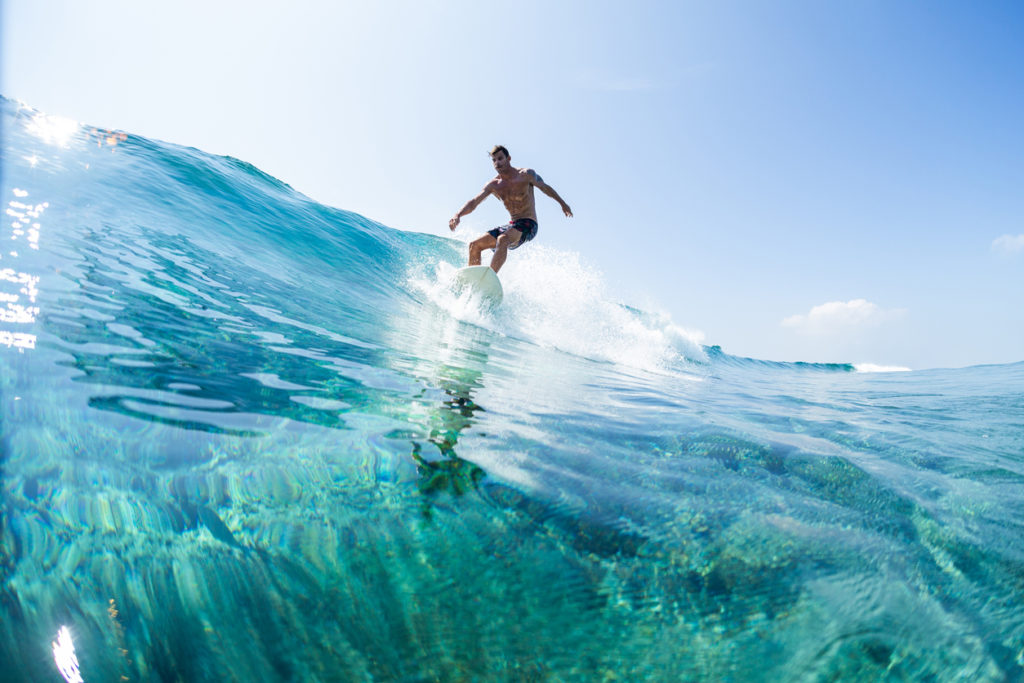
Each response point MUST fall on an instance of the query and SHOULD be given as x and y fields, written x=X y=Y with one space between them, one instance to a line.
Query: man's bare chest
x=512 y=189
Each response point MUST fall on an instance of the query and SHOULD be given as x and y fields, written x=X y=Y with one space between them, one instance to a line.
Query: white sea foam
x=871 y=367
x=554 y=299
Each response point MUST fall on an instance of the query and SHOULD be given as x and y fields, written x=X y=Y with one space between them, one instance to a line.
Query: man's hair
x=500 y=148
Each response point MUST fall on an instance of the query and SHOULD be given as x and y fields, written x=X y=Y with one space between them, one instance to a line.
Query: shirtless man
x=514 y=187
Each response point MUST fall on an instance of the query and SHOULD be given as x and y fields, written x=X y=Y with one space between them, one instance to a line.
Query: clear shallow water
x=235 y=446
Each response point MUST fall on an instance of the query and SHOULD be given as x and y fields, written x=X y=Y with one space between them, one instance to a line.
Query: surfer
x=514 y=187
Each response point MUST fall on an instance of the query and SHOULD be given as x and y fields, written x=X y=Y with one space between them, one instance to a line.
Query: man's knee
x=507 y=240
x=478 y=245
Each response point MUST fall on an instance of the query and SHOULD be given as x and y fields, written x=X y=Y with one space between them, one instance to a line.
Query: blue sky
x=822 y=181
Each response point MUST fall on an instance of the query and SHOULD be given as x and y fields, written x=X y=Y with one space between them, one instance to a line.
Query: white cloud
x=1008 y=244
x=841 y=316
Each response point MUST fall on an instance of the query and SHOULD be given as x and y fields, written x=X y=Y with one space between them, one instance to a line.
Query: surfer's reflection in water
x=446 y=476
x=448 y=473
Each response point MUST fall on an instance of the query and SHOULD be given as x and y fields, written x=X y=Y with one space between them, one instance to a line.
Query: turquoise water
x=249 y=437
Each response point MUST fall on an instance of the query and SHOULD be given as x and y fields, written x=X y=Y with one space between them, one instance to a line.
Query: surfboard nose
x=481 y=281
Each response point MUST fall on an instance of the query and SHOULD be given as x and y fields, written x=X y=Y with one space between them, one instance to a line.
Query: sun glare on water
x=65 y=658
x=19 y=290
x=53 y=130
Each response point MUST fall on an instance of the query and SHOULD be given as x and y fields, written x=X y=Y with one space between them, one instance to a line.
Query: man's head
x=500 y=157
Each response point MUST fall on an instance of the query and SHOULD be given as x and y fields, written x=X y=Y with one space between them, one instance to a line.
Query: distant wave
x=717 y=355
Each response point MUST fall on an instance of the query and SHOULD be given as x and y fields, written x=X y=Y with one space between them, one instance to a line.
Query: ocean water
x=249 y=437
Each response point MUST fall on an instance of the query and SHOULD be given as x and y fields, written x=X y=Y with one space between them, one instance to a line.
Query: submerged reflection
x=449 y=473
x=449 y=356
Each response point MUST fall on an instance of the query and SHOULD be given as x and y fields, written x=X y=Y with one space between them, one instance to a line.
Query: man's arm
x=470 y=205
x=539 y=183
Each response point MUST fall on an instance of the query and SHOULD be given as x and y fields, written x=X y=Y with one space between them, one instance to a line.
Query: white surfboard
x=481 y=281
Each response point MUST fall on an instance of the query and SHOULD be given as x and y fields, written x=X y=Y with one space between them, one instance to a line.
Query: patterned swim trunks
x=527 y=226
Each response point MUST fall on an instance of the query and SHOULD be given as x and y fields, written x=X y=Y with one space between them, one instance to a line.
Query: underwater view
x=248 y=437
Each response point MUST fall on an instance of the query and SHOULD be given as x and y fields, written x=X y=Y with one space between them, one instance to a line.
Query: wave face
x=249 y=437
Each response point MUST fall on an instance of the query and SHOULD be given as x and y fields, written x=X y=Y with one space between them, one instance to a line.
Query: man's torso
x=516 y=193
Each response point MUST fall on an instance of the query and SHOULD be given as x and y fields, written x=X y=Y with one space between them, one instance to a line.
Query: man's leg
x=477 y=246
x=501 y=249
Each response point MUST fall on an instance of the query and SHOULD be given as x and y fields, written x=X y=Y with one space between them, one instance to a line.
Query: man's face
x=500 y=161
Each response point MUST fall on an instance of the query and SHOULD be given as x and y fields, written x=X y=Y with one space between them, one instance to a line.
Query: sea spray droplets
x=557 y=300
